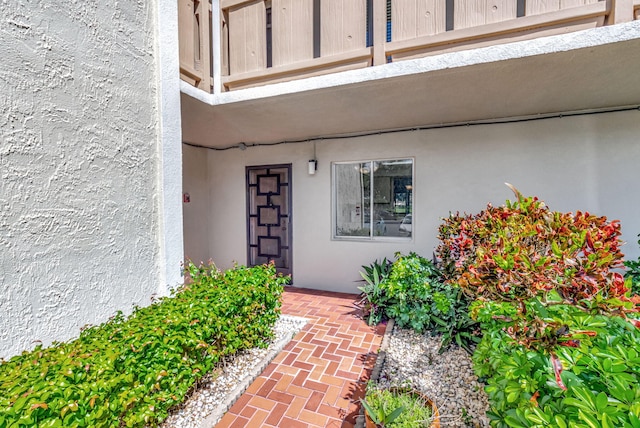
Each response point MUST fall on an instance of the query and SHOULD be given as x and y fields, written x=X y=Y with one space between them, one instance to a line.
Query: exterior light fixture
x=313 y=166
x=313 y=162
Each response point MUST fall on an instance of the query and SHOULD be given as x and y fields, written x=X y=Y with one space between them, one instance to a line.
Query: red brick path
x=318 y=377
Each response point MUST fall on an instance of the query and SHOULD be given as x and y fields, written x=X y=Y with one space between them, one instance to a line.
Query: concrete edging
x=375 y=373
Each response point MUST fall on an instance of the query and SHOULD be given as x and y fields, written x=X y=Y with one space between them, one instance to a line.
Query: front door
x=269 y=216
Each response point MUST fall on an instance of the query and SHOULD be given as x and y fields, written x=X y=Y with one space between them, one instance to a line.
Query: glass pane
x=353 y=199
x=392 y=197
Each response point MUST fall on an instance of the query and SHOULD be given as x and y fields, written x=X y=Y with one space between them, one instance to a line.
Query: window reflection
x=374 y=198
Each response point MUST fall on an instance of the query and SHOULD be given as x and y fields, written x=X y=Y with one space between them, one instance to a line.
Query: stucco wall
x=579 y=163
x=196 y=212
x=78 y=163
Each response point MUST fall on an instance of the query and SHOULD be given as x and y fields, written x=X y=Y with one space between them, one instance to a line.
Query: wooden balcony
x=235 y=44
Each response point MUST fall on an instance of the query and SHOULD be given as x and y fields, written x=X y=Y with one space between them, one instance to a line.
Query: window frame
x=371 y=237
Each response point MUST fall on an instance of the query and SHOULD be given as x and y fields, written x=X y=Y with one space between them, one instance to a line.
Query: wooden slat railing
x=288 y=46
x=269 y=41
x=194 y=17
x=526 y=27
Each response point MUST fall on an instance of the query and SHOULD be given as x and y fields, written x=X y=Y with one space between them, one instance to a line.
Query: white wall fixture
x=313 y=162
x=313 y=166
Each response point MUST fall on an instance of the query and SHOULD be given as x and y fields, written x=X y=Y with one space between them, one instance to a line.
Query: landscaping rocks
x=448 y=379
x=217 y=392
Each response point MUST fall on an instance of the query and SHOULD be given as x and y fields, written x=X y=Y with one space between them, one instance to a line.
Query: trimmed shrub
x=131 y=370
x=632 y=275
x=598 y=387
x=523 y=251
x=560 y=337
x=411 y=292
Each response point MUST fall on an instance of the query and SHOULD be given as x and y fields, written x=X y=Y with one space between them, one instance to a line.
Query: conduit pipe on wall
x=516 y=119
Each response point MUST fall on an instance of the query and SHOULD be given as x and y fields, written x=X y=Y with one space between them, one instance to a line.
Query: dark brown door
x=269 y=216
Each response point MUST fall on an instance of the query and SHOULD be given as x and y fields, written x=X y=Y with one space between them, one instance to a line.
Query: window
x=373 y=199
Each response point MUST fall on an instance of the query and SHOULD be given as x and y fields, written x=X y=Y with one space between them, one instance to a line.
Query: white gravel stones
x=217 y=392
x=446 y=378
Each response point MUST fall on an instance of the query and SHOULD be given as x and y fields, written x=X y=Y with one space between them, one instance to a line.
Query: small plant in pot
x=398 y=407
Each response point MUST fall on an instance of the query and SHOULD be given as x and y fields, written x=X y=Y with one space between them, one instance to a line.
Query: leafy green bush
x=633 y=273
x=397 y=407
x=374 y=295
x=411 y=289
x=560 y=340
x=412 y=293
x=131 y=371
x=523 y=251
x=601 y=378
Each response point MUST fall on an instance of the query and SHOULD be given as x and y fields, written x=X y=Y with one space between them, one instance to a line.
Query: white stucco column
x=170 y=152
x=216 y=51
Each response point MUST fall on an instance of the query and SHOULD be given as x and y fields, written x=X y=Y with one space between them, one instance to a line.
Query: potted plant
x=399 y=407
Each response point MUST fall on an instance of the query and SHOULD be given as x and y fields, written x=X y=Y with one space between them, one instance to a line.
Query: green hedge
x=411 y=291
x=561 y=343
x=632 y=273
x=131 y=370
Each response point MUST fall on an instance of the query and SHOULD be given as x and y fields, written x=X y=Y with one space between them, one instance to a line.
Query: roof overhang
x=586 y=70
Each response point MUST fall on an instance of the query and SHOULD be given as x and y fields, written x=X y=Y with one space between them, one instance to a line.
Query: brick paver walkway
x=318 y=378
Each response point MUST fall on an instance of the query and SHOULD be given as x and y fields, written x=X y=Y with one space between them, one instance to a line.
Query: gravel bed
x=217 y=392
x=447 y=378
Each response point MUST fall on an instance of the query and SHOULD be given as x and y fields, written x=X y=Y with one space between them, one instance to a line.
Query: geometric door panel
x=269 y=216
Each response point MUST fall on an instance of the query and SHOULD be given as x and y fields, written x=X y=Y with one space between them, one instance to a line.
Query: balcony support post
x=216 y=45
x=379 y=31
x=619 y=11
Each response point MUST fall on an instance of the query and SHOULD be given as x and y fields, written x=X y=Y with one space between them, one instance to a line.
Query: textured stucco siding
x=78 y=166
x=197 y=218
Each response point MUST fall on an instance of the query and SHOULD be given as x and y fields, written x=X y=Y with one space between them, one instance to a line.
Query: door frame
x=289 y=249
